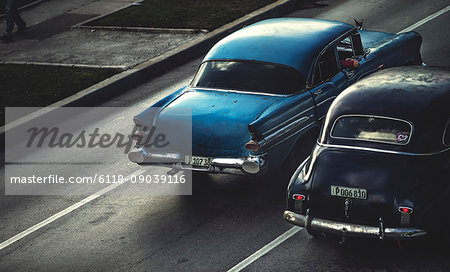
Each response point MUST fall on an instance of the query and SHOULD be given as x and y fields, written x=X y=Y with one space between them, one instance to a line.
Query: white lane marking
x=258 y=254
x=427 y=19
x=60 y=214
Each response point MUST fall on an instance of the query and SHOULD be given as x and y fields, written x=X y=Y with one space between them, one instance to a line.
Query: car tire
x=200 y=176
x=316 y=235
x=201 y=183
x=446 y=235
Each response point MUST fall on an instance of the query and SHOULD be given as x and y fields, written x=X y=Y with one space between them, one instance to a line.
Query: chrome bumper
x=235 y=166
x=349 y=229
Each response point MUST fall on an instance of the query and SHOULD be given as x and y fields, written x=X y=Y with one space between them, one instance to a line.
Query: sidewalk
x=50 y=38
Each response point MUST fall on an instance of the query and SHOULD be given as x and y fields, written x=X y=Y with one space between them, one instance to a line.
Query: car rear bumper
x=237 y=166
x=350 y=229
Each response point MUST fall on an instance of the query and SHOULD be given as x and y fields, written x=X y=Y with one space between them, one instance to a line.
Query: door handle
x=317 y=92
x=349 y=74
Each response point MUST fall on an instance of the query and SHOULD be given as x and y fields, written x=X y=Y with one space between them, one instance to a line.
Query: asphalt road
x=227 y=219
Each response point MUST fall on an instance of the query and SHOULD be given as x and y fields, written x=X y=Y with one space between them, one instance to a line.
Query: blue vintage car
x=262 y=92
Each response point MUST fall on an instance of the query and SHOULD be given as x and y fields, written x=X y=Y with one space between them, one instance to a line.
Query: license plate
x=199 y=161
x=348 y=192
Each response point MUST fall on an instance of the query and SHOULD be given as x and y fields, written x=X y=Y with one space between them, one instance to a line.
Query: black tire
x=200 y=176
x=315 y=234
x=201 y=183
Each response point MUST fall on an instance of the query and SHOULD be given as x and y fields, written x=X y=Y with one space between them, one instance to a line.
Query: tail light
x=298 y=197
x=252 y=145
x=405 y=210
x=138 y=135
x=298 y=203
x=405 y=215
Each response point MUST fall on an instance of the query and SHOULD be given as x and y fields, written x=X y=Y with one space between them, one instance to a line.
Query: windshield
x=369 y=128
x=249 y=76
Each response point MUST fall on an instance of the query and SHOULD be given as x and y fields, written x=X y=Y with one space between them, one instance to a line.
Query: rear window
x=371 y=128
x=249 y=76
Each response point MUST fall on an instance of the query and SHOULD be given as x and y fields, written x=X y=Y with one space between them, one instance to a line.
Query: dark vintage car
x=381 y=165
x=262 y=91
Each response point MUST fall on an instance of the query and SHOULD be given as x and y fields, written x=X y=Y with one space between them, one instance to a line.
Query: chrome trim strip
x=292 y=135
x=188 y=167
x=372 y=116
x=332 y=97
x=281 y=132
x=349 y=229
x=234 y=91
x=251 y=164
x=445 y=131
x=287 y=121
x=155 y=118
x=228 y=162
x=382 y=150
x=326 y=100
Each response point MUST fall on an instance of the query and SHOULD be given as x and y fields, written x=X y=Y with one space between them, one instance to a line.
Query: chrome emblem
x=348 y=206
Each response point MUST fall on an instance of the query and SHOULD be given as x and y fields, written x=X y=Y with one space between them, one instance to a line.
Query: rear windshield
x=375 y=129
x=249 y=76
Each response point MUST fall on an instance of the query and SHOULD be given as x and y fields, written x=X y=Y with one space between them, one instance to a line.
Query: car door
x=328 y=81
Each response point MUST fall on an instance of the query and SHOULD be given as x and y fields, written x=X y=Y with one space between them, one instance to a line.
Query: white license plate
x=199 y=161
x=347 y=192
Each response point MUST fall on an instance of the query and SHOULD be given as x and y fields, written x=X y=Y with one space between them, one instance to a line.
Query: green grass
x=196 y=14
x=39 y=85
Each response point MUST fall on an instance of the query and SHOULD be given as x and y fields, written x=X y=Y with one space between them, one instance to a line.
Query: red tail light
x=252 y=145
x=298 y=197
x=405 y=209
x=138 y=135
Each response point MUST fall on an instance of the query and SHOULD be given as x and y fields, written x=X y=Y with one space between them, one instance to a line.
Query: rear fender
x=283 y=112
x=401 y=49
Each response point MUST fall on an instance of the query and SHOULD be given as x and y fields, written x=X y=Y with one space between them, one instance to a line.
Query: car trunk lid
x=387 y=179
x=220 y=119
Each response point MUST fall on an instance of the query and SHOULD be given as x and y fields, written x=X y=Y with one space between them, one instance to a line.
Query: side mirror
x=358 y=49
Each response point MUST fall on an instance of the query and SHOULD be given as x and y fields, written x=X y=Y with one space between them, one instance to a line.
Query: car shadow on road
x=425 y=253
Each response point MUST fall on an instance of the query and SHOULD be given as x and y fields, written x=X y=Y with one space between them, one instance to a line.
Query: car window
x=446 y=137
x=249 y=76
x=344 y=49
x=326 y=67
x=370 y=128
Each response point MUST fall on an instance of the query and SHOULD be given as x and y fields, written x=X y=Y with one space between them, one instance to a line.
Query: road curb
x=119 y=67
x=144 y=29
x=128 y=79
x=106 y=14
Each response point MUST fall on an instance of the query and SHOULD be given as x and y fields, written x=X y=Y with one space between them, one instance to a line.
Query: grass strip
x=42 y=85
x=182 y=14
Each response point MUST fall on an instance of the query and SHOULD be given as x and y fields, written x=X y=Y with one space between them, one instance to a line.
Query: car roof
x=293 y=42
x=417 y=94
